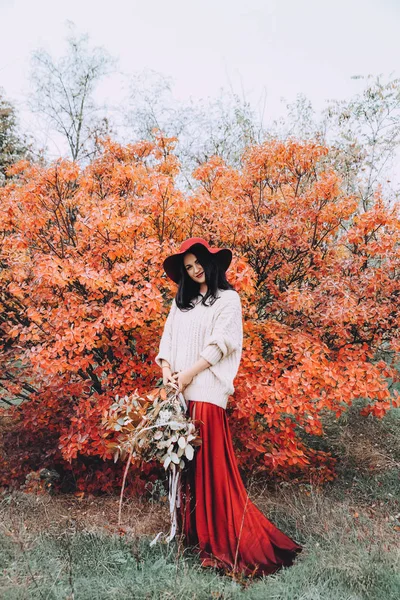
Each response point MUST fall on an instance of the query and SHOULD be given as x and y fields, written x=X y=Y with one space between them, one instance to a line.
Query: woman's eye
x=190 y=266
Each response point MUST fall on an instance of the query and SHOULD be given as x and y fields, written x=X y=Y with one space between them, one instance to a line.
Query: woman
x=200 y=351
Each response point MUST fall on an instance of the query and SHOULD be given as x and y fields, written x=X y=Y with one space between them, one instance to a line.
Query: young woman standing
x=200 y=351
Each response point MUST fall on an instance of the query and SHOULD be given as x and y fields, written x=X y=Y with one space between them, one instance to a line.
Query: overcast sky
x=255 y=47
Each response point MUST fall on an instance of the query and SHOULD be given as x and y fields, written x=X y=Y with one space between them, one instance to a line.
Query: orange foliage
x=84 y=298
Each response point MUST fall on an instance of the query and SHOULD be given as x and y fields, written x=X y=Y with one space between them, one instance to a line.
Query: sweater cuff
x=211 y=354
x=158 y=359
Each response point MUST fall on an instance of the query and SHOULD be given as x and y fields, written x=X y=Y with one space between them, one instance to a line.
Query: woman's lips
x=200 y=275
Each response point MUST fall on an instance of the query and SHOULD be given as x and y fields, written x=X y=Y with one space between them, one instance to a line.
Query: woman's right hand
x=167 y=375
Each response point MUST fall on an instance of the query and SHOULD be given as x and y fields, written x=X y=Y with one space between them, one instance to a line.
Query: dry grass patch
x=54 y=514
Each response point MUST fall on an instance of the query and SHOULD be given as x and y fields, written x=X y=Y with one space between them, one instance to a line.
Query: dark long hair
x=215 y=276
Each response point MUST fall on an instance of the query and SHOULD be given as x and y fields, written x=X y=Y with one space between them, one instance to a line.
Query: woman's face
x=194 y=268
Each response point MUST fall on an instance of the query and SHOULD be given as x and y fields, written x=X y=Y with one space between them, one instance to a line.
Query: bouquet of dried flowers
x=158 y=428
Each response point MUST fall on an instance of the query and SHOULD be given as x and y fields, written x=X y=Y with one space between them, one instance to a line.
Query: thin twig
x=54 y=582
x=239 y=537
x=123 y=486
x=70 y=574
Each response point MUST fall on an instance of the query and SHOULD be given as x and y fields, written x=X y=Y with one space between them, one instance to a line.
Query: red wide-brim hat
x=172 y=263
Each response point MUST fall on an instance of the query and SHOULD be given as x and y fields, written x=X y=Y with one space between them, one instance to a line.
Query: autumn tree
x=84 y=298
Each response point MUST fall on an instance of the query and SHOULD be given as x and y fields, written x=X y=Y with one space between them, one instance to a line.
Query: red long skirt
x=217 y=515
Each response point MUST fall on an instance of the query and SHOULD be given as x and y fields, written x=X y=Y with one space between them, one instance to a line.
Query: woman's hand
x=167 y=375
x=182 y=379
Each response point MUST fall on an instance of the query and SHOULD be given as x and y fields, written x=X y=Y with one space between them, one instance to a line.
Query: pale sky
x=278 y=48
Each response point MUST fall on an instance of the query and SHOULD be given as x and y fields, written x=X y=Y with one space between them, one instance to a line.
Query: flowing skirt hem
x=217 y=517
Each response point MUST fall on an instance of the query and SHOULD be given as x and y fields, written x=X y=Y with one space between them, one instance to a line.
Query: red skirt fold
x=217 y=515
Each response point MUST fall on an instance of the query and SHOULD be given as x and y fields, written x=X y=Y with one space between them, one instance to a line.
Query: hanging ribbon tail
x=178 y=491
x=174 y=480
x=153 y=542
x=174 y=496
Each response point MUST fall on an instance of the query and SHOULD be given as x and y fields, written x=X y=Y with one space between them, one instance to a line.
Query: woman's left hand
x=182 y=379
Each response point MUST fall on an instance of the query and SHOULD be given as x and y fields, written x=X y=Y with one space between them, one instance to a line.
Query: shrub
x=84 y=297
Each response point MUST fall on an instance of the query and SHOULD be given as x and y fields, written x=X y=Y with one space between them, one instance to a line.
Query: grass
x=70 y=548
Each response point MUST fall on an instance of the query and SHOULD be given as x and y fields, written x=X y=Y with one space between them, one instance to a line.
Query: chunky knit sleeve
x=227 y=333
x=165 y=342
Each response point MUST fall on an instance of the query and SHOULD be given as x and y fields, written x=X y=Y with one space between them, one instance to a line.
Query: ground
x=59 y=547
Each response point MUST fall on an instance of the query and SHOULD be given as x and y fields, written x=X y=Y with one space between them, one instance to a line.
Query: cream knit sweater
x=212 y=332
